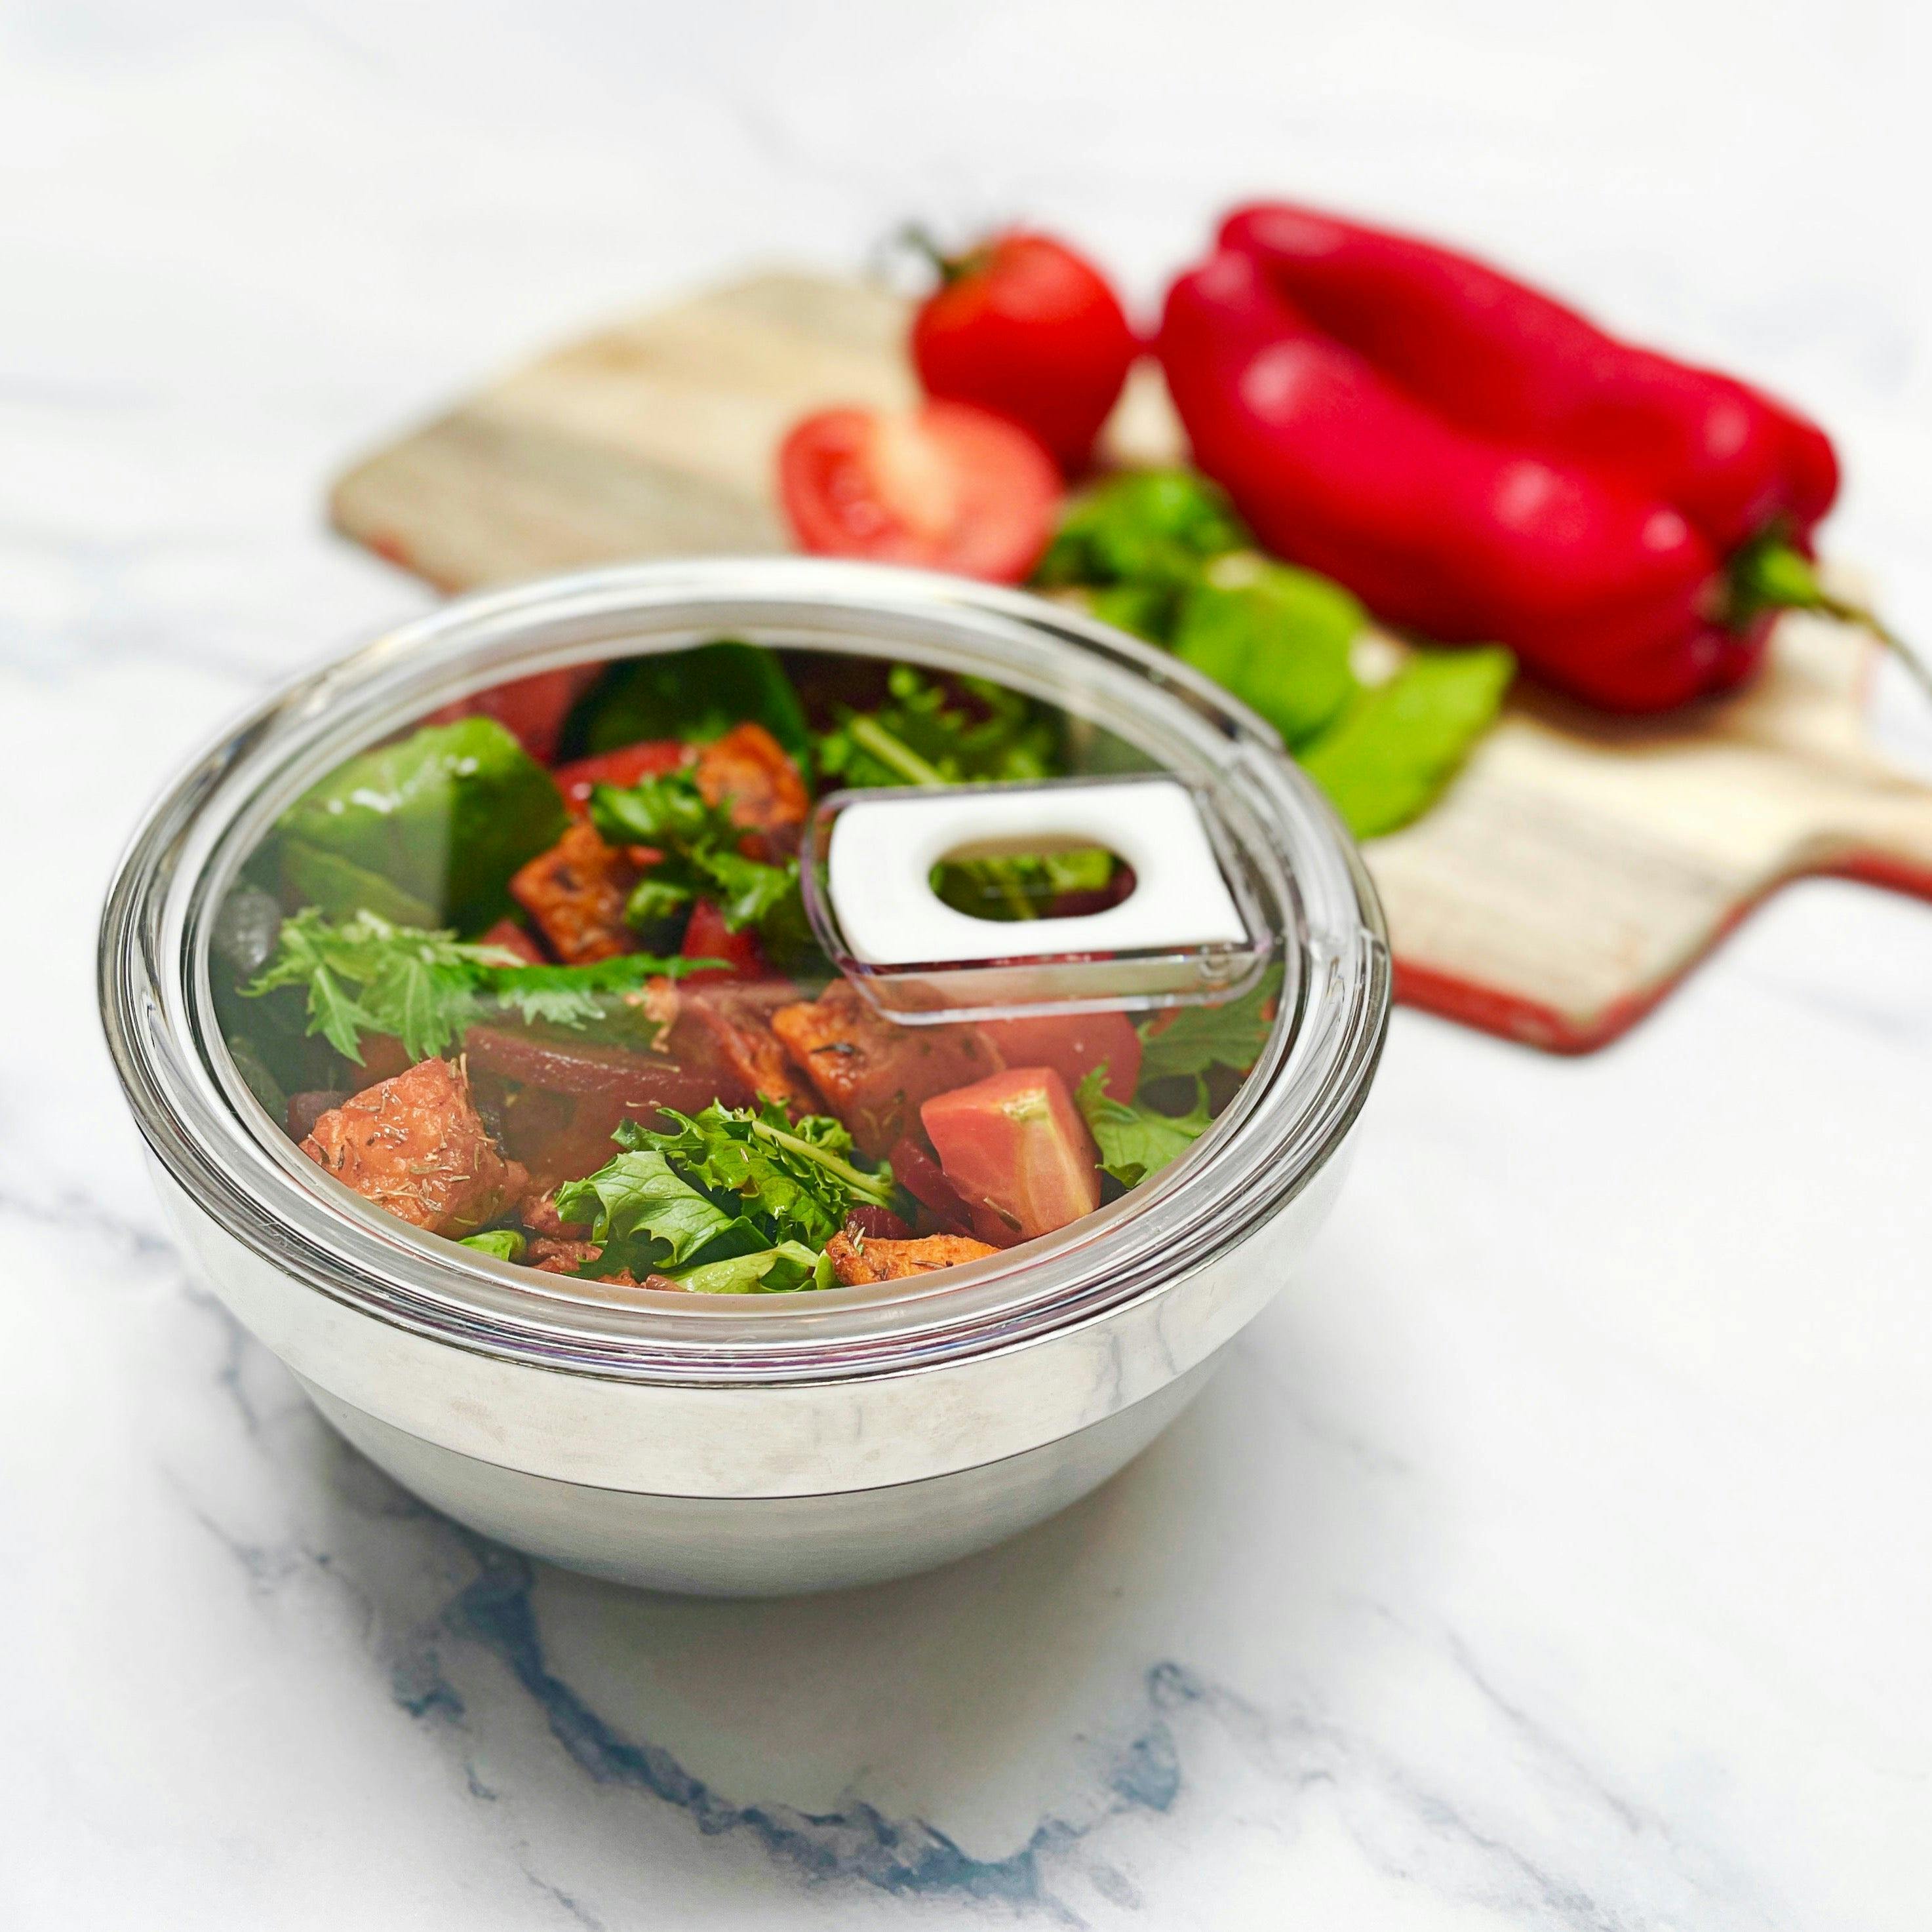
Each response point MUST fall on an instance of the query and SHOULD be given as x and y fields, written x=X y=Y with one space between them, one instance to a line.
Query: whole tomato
x=1023 y=326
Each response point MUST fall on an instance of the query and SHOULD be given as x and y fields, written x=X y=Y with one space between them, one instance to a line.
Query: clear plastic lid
x=774 y=937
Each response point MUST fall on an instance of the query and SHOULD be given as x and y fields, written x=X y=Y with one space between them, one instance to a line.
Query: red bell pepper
x=625 y=765
x=1481 y=464
x=532 y=709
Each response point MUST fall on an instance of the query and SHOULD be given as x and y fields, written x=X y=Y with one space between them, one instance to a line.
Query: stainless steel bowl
x=718 y=1445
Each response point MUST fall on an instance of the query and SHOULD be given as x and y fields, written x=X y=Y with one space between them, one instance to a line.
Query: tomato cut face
x=947 y=487
x=1015 y=1143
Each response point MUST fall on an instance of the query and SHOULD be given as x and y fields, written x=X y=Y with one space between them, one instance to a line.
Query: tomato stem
x=920 y=239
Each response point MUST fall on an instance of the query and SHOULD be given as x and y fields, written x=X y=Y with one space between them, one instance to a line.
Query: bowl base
x=763 y=1546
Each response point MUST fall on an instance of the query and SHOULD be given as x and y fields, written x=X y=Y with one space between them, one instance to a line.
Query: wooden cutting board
x=1577 y=869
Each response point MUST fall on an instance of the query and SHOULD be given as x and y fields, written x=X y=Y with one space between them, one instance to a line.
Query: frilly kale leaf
x=706 y=1198
x=362 y=976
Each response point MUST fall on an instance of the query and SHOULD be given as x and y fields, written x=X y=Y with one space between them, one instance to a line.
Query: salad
x=536 y=977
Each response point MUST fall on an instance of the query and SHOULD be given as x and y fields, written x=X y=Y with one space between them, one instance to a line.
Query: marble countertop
x=1554 y=1555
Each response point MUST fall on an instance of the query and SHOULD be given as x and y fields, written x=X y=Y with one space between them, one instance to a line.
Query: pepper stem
x=1772 y=574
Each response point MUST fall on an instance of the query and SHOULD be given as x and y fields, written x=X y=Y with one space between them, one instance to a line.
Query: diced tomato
x=947 y=487
x=507 y=934
x=625 y=765
x=1073 y=1044
x=531 y=709
x=707 y=936
x=1016 y=1142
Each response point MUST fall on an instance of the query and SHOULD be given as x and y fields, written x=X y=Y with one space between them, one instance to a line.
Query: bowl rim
x=1286 y=1120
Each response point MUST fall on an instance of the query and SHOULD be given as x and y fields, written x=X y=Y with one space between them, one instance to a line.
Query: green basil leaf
x=1393 y=753
x=1279 y=639
x=693 y=695
x=441 y=819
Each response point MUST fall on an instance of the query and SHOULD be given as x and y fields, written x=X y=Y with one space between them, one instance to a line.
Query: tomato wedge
x=947 y=487
x=1015 y=1142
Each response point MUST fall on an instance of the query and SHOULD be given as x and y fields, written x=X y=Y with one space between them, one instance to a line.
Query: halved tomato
x=1016 y=1142
x=946 y=487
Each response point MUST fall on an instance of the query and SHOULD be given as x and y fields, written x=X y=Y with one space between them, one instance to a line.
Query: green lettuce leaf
x=1196 y=1039
x=650 y=1219
x=728 y=1201
x=1135 y=1139
x=797 y=1179
x=506 y=1243
x=777 y=1270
